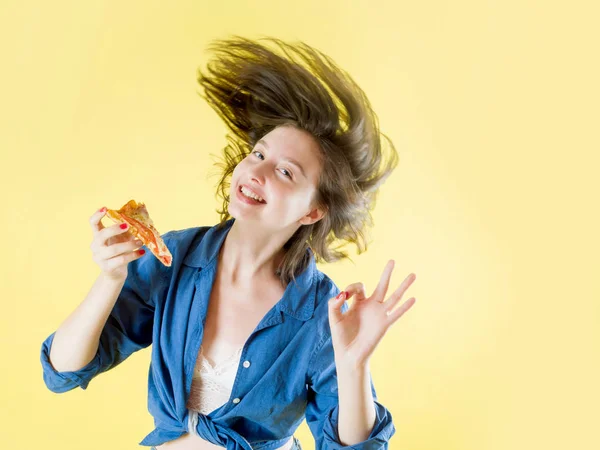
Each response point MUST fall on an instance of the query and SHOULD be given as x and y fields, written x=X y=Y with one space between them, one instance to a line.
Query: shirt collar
x=300 y=295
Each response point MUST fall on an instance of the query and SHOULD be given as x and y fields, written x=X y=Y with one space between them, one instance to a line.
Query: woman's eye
x=287 y=174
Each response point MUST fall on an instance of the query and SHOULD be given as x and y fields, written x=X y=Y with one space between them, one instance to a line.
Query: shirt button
x=236 y=400
x=246 y=364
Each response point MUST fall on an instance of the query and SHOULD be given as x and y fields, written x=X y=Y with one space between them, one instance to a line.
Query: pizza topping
x=136 y=216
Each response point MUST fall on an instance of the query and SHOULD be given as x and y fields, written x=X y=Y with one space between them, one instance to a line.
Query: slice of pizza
x=141 y=226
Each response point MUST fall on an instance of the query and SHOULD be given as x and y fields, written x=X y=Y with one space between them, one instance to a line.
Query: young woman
x=250 y=338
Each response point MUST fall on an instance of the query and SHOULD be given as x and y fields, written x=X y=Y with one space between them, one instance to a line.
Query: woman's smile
x=244 y=198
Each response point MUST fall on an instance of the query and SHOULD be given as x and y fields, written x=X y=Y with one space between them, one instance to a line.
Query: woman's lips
x=254 y=191
x=245 y=199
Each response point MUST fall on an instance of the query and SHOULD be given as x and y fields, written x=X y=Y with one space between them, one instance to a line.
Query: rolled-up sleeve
x=323 y=405
x=127 y=329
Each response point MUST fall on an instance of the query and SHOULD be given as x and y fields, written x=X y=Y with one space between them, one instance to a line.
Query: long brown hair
x=255 y=89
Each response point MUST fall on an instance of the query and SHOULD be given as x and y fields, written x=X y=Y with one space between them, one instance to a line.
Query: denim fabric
x=287 y=369
x=296 y=445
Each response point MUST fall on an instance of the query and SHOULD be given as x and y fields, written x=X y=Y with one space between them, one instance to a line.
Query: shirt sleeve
x=323 y=406
x=127 y=329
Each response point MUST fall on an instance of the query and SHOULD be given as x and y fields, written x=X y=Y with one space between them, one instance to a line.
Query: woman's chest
x=232 y=315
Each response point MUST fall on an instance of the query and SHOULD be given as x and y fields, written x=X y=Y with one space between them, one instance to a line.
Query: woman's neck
x=248 y=253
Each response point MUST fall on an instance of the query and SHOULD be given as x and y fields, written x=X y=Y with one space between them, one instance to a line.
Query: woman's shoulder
x=185 y=233
x=181 y=242
x=326 y=289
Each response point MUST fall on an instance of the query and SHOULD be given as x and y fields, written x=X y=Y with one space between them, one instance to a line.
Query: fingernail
x=123 y=226
x=102 y=209
x=340 y=295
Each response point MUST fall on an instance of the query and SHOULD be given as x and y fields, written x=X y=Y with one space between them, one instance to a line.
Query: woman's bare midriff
x=189 y=442
x=192 y=442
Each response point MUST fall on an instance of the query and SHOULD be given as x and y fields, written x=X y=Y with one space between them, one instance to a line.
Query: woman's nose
x=257 y=175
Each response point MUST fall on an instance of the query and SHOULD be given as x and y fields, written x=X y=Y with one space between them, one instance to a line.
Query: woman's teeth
x=247 y=193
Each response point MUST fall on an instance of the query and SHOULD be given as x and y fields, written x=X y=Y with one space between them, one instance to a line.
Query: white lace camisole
x=211 y=387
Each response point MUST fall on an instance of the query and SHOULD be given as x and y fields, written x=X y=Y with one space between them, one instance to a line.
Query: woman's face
x=287 y=189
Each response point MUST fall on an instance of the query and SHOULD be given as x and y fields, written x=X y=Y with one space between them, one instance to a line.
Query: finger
x=335 y=312
x=357 y=289
x=384 y=282
x=398 y=312
x=119 y=249
x=114 y=234
x=399 y=292
x=96 y=220
x=121 y=259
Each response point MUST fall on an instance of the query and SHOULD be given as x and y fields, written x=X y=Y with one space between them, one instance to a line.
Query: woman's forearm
x=356 y=406
x=76 y=340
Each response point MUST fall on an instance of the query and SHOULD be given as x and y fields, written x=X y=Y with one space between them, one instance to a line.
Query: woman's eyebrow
x=290 y=160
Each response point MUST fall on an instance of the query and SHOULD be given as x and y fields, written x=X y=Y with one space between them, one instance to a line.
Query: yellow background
x=493 y=107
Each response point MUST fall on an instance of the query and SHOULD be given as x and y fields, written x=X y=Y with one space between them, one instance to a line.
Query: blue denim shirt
x=290 y=374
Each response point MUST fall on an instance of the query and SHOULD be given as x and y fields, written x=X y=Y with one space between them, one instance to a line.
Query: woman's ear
x=313 y=216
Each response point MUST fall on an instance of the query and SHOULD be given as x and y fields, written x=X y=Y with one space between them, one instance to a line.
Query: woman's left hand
x=356 y=333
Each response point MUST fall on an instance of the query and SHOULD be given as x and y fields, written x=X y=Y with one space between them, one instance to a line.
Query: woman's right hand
x=113 y=247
